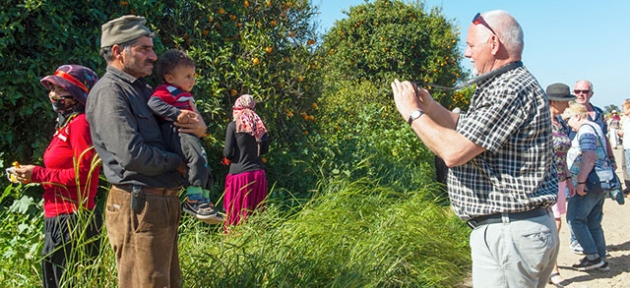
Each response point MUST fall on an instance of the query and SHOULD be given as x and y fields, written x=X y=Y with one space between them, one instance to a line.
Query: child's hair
x=172 y=59
x=626 y=104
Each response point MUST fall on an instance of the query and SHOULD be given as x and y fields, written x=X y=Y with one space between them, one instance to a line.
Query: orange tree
x=261 y=47
x=390 y=39
x=363 y=53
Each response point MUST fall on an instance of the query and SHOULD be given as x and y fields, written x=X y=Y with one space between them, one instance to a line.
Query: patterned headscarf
x=247 y=121
x=76 y=79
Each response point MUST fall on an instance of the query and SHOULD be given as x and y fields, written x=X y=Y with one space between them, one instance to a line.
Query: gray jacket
x=127 y=136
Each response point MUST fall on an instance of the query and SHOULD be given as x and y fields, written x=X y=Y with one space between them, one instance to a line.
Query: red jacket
x=70 y=147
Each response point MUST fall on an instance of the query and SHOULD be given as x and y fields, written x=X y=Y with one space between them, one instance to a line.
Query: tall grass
x=356 y=235
x=21 y=241
x=350 y=234
x=354 y=207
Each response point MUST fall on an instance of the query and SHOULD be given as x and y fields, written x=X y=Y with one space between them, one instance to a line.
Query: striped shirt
x=509 y=117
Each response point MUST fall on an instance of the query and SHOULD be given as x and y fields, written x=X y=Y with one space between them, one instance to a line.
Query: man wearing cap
x=501 y=180
x=143 y=209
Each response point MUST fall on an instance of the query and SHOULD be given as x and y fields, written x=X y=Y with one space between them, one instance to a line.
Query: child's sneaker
x=199 y=209
x=214 y=219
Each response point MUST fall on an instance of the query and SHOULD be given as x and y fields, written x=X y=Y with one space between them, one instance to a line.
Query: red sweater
x=58 y=177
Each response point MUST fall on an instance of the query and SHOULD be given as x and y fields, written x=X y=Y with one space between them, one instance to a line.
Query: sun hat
x=76 y=79
x=559 y=92
x=123 y=29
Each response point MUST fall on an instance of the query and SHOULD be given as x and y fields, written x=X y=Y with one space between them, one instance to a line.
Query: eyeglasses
x=479 y=20
x=581 y=91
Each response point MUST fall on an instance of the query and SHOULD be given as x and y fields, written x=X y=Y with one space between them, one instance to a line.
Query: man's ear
x=117 y=51
x=496 y=44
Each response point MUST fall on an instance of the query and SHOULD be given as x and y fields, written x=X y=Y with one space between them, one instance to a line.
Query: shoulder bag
x=602 y=179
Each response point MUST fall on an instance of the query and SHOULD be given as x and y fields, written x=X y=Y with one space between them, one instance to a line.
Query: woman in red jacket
x=69 y=175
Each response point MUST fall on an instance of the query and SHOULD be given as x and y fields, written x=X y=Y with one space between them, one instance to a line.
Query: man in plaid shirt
x=502 y=177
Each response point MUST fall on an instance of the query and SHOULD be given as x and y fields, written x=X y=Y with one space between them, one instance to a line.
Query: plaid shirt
x=509 y=117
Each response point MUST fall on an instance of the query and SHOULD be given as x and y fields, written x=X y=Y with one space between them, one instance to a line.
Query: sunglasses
x=479 y=20
x=581 y=91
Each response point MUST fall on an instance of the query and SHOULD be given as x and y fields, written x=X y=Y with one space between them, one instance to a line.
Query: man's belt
x=515 y=216
x=151 y=190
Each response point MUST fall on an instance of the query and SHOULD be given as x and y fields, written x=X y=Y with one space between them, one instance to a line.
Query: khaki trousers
x=514 y=253
x=145 y=243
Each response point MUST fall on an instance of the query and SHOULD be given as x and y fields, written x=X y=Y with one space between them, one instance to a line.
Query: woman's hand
x=571 y=188
x=24 y=173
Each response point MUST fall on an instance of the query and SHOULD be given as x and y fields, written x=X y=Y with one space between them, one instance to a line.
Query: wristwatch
x=414 y=115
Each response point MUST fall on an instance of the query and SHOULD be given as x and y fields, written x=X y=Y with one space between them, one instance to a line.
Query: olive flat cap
x=123 y=29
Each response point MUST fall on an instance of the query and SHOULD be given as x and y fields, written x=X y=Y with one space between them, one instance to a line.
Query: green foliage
x=35 y=38
x=352 y=233
x=352 y=202
x=609 y=108
x=264 y=48
x=389 y=39
x=21 y=241
x=368 y=137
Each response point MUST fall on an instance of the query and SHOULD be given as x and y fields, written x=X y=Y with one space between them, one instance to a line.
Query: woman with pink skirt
x=246 y=140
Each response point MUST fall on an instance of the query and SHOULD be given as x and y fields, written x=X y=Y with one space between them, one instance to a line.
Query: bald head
x=494 y=39
x=508 y=30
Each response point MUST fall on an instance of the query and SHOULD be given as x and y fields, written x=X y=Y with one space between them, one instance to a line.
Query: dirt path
x=616 y=223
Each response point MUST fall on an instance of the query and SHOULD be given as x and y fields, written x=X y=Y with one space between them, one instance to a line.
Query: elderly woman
x=584 y=212
x=69 y=175
x=245 y=141
x=559 y=96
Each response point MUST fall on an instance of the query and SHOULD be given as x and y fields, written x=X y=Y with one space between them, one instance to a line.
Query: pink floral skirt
x=244 y=193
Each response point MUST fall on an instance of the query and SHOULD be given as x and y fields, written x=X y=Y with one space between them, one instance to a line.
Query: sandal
x=562 y=284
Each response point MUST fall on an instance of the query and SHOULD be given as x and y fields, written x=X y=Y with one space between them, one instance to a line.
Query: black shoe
x=586 y=264
x=618 y=196
x=604 y=267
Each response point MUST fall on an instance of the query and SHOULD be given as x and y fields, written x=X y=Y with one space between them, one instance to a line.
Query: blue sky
x=565 y=40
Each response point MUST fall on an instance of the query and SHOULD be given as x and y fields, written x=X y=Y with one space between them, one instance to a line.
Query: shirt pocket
x=147 y=124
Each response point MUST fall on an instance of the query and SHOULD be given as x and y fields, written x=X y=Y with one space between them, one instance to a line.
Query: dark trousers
x=189 y=147
x=61 y=243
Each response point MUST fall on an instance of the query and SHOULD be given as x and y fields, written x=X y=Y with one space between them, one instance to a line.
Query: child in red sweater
x=174 y=103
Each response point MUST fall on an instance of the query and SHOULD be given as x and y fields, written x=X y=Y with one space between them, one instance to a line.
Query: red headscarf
x=247 y=121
